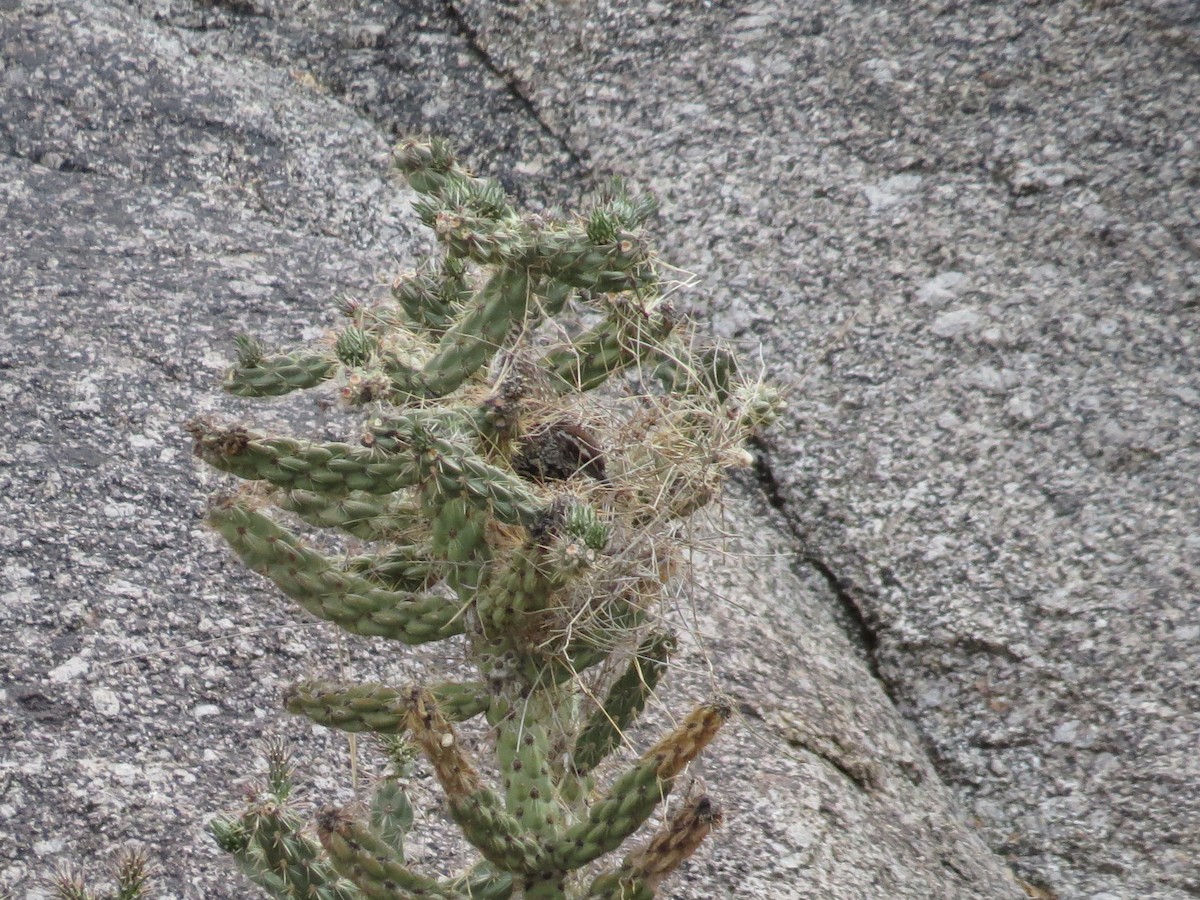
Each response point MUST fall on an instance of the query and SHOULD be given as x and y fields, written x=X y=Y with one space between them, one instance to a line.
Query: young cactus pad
x=538 y=423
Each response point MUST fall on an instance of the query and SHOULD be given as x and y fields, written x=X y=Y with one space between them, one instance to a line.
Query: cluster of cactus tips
x=539 y=424
x=131 y=874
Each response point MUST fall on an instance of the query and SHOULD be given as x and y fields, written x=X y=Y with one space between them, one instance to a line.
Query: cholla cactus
x=132 y=874
x=519 y=486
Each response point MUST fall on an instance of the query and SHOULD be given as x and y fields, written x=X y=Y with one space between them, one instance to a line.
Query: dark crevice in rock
x=863 y=774
x=858 y=629
x=976 y=646
x=863 y=634
x=241 y=8
x=52 y=162
x=471 y=36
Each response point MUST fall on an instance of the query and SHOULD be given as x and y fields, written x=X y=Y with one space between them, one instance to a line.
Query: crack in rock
x=471 y=36
x=859 y=629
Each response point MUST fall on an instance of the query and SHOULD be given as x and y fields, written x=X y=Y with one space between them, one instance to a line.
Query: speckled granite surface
x=964 y=232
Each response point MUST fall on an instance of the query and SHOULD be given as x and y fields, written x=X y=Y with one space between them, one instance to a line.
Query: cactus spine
x=518 y=486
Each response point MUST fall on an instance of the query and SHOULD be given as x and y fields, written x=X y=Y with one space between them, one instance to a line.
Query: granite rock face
x=966 y=235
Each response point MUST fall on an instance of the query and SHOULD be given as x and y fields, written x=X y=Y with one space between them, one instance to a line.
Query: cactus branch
x=257 y=375
x=645 y=869
x=376 y=707
x=328 y=592
x=473 y=340
x=634 y=795
x=293 y=858
x=624 y=702
x=370 y=517
x=371 y=865
x=476 y=809
x=335 y=469
x=522 y=750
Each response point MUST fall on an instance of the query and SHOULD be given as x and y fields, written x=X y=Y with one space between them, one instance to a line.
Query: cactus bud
x=583 y=523
x=249 y=350
x=355 y=347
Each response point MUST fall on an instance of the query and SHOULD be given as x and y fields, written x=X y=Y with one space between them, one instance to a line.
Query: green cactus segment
x=758 y=406
x=562 y=254
x=553 y=297
x=460 y=702
x=427 y=164
x=473 y=340
x=483 y=882
x=623 y=704
x=646 y=868
x=371 y=865
x=616 y=204
x=396 y=434
x=459 y=535
x=562 y=548
x=391 y=815
x=377 y=707
x=430 y=296
x=403 y=568
x=281 y=850
x=531 y=796
x=328 y=592
x=619 y=886
x=462 y=222
x=234 y=837
x=498 y=417
x=477 y=810
x=495 y=834
x=360 y=707
x=476 y=220
x=279 y=769
x=568 y=255
x=458 y=472
x=399 y=382
x=522 y=751
x=632 y=332
x=371 y=517
x=355 y=346
x=546 y=887
x=432 y=169
x=334 y=469
x=630 y=802
x=522 y=587
x=259 y=375
x=635 y=794
x=583 y=522
x=472 y=216
x=710 y=371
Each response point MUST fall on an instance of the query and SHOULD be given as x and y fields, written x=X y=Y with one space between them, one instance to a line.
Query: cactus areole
x=538 y=422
